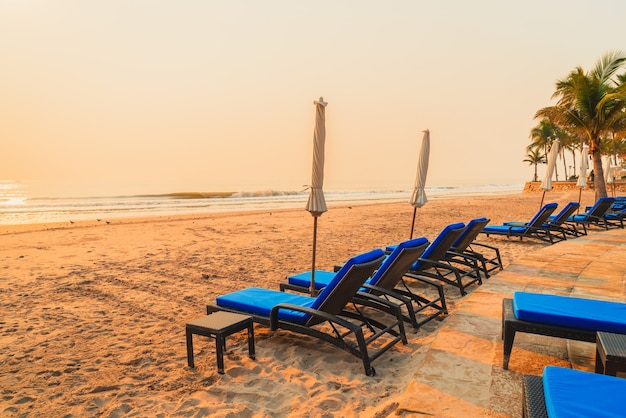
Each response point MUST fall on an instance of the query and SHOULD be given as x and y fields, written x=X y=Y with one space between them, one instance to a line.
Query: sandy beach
x=94 y=313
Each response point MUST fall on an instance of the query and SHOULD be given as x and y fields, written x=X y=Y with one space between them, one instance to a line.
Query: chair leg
x=508 y=335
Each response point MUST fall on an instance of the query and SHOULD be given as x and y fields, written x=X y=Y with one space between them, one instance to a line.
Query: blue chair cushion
x=590 y=314
x=261 y=301
x=574 y=393
x=504 y=229
x=322 y=278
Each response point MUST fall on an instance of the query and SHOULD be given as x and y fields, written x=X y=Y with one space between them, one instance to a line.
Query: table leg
x=219 y=348
x=190 y=362
x=251 y=352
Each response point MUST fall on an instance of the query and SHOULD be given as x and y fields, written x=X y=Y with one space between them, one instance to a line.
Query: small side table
x=610 y=353
x=219 y=325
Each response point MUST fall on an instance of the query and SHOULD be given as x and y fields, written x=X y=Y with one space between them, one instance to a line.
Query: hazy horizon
x=206 y=95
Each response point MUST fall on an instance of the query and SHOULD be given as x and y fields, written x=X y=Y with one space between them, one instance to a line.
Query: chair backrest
x=348 y=280
x=398 y=263
x=437 y=250
x=601 y=206
x=564 y=214
x=470 y=233
x=542 y=216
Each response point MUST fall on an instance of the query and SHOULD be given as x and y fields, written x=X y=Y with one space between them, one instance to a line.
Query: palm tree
x=535 y=157
x=542 y=136
x=592 y=104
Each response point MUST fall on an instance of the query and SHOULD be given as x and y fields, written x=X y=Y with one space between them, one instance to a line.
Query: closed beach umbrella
x=582 y=173
x=316 y=204
x=546 y=184
x=608 y=173
x=418 y=197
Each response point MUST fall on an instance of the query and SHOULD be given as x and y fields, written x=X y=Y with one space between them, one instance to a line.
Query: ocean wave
x=267 y=193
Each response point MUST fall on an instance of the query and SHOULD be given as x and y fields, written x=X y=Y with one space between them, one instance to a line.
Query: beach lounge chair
x=562 y=392
x=561 y=222
x=326 y=316
x=433 y=264
x=558 y=316
x=535 y=228
x=467 y=247
x=387 y=282
x=596 y=215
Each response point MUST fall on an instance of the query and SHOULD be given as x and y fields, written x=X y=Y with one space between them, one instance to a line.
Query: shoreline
x=34 y=226
x=52 y=210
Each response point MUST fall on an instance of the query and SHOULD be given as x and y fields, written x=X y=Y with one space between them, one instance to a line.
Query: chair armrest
x=383 y=291
x=480 y=244
x=310 y=311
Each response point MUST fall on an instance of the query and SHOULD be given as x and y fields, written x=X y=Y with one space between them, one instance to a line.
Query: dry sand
x=93 y=314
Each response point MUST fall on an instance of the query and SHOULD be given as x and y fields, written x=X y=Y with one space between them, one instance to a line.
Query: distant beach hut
x=418 y=197
x=582 y=173
x=316 y=204
x=546 y=184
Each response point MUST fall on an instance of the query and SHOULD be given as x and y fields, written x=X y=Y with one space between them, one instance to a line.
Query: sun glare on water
x=12 y=201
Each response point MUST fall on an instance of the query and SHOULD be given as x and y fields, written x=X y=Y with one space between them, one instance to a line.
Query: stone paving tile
x=462 y=374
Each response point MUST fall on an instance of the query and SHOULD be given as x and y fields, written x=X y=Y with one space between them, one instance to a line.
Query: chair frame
x=387 y=288
x=561 y=222
x=533 y=398
x=596 y=216
x=536 y=228
x=511 y=325
x=463 y=248
x=439 y=268
x=342 y=322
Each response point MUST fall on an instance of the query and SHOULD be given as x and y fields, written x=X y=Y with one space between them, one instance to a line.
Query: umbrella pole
x=413 y=222
x=580 y=192
x=313 y=258
x=542 y=197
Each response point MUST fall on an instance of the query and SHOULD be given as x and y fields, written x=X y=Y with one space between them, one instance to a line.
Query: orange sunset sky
x=218 y=95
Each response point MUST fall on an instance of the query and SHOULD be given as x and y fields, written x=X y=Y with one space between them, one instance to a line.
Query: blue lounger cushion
x=590 y=314
x=261 y=301
x=574 y=393
x=323 y=278
x=505 y=229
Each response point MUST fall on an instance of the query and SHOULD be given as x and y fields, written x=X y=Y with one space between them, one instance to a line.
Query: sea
x=24 y=202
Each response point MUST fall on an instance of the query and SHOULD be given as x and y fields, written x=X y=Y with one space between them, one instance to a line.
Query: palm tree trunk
x=598 y=174
x=556 y=171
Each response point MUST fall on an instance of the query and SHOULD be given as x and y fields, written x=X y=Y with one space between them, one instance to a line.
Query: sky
x=218 y=95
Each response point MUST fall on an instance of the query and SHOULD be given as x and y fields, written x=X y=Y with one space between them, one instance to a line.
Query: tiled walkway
x=462 y=375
